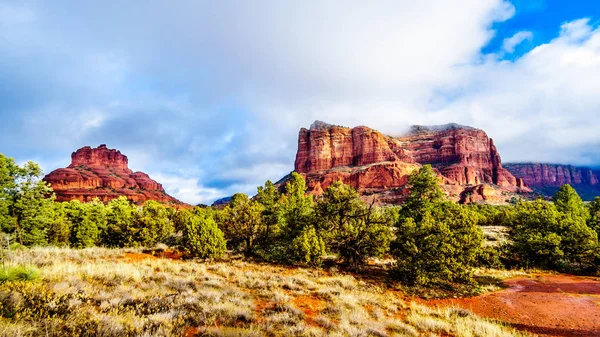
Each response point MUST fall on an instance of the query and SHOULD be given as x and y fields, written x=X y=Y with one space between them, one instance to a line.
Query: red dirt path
x=548 y=305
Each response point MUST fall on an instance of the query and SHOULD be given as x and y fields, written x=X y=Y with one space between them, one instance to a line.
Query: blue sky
x=208 y=97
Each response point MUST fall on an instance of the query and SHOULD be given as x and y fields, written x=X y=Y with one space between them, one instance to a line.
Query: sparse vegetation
x=431 y=248
x=121 y=292
x=436 y=241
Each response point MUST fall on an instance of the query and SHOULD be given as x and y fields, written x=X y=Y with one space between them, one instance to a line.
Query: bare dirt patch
x=548 y=305
x=310 y=306
x=135 y=257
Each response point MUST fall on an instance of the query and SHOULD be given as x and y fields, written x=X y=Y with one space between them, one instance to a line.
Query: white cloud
x=544 y=105
x=213 y=93
x=510 y=43
x=577 y=30
x=187 y=189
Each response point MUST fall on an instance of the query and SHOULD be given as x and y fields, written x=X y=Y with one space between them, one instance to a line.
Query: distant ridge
x=546 y=178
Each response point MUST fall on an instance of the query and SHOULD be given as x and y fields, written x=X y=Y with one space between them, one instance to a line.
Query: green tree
x=243 y=225
x=594 y=211
x=84 y=231
x=8 y=188
x=425 y=193
x=96 y=213
x=543 y=237
x=269 y=198
x=308 y=247
x=120 y=228
x=297 y=210
x=31 y=205
x=153 y=224
x=441 y=246
x=352 y=228
x=567 y=201
x=59 y=231
x=201 y=235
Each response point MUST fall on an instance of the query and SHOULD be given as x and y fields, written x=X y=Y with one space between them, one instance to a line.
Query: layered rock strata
x=467 y=162
x=546 y=179
x=104 y=174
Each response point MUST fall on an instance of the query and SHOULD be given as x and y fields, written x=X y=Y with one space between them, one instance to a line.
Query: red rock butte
x=103 y=173
x=546 y=179
x=466 y=160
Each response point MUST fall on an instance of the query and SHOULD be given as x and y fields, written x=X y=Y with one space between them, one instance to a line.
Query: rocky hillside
x=103 y=173
x=547 y=178
x=466 y=160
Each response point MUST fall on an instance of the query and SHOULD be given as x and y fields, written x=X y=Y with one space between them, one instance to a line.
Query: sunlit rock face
x=466 y=160
x=548 y=178
x=103 y=173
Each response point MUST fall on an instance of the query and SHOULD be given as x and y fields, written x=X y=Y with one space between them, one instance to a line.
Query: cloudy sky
x=208 y=97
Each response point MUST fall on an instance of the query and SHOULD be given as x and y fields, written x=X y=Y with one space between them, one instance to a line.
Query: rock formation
x=546 y=179
x=466 y=160
x=103 y=173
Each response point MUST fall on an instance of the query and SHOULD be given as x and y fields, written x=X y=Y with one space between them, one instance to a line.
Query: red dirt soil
x=167 y=254
x=136 y=257
x=310 y=305
x=548 y=305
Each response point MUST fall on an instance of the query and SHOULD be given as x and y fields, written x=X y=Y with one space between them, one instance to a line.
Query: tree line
x=430 y=239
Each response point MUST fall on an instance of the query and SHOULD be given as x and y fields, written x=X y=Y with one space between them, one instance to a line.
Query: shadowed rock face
x=103 y=173
x=376 y=164
x=548 y=178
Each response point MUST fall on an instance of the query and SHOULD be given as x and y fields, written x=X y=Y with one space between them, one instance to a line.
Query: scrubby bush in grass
x=18 y=273
x=352 y=228
x=154 y=223
x=128 y=225
x=442 y=247
x=120 y=219
x=308 y=247
x=436 y=241
x=288 y=220
x=243 y=225
x=545 y=237
x=202 y=237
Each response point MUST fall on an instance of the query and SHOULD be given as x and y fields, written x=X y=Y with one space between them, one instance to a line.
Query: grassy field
x=104 y=292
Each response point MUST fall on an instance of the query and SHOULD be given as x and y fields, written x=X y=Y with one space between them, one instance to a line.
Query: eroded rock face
x=104 y=174
x=376 y=164
x=548 y=178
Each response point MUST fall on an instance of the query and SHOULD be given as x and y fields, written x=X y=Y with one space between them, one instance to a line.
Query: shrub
x=442 y=247
x=491 y=257
x=436 y=241
x=154 y=224
x=18 y=273
x=243 y=225
x=202 y=237
x=352 y=228
x=543 y=237
x=308 y=247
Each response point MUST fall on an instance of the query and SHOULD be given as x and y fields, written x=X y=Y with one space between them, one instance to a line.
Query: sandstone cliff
x=466 y=160
x=104 y=174
x=546 y=179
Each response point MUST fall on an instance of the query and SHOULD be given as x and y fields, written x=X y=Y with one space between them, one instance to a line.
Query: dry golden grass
x=104 y=292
